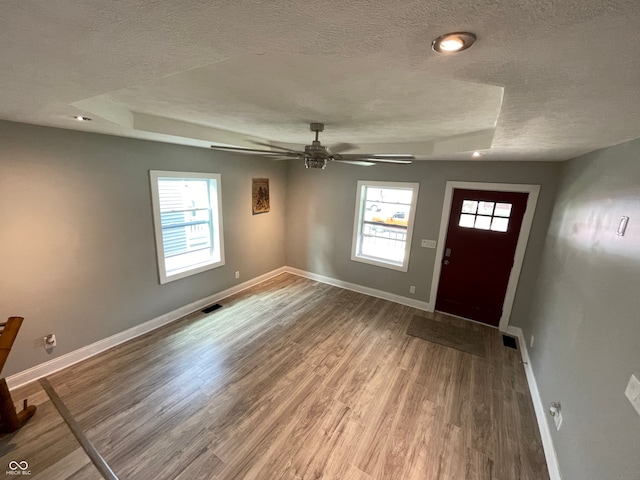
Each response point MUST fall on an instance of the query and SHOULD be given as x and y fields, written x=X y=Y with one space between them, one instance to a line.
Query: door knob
x=446 y=262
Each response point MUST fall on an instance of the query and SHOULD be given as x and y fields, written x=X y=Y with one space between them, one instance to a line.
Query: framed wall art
x=260 y=195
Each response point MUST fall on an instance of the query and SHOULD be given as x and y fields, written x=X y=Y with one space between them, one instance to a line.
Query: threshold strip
x=86 y=445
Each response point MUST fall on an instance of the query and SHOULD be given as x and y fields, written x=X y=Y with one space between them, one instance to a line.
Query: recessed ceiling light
x=80 y=118
x=453 y=42
x=475 y=154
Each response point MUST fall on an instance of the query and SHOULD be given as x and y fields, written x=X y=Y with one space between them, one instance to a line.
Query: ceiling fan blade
x=387 y=160
x=400 y=159
x=341 y=147
x=356 y=162
x=255 y=151
x=393 y=156
x=381 y=156
x=264 y=144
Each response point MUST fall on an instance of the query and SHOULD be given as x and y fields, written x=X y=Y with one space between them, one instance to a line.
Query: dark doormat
x=464 y=339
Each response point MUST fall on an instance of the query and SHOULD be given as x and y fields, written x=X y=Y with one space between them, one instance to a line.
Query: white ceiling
x=546 y=79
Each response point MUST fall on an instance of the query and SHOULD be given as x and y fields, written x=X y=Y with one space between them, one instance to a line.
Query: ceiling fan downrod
x=316 y=127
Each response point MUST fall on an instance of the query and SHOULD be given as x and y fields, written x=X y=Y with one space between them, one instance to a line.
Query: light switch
x=429 y=243
x=633 y=392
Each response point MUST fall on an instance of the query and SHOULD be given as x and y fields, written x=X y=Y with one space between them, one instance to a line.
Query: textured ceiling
x=546 y=80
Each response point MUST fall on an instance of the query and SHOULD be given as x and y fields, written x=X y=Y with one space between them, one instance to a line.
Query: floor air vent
x=211 y=308
x=510 y=342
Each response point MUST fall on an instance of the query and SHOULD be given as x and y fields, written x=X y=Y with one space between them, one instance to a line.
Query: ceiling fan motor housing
x=315 y=149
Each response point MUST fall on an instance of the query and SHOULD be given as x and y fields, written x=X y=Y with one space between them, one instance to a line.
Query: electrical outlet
x=412 y=289
x=237 y=274
x=49 y=341
x=531 y=343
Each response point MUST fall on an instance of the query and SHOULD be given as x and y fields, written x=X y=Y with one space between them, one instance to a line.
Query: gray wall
x=77 y=244
x=321 y=212
x=586 y=315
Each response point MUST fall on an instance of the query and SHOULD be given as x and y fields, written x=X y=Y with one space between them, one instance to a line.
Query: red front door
x=481 y=242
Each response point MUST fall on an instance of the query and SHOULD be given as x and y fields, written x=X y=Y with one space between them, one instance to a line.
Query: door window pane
x=483 y=223
x=499 y=224
x=485 y=208
x=467 y=220
x=503 y=210
x=469 y=206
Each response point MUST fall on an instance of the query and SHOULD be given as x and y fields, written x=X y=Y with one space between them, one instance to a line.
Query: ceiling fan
x=316 y=155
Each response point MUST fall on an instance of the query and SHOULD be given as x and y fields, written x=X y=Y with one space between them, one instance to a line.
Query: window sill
x=381 y=263
x=187 y=272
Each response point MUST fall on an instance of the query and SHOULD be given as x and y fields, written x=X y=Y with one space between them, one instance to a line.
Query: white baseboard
x=541 y=412
x=83 y=353
x=410 y=302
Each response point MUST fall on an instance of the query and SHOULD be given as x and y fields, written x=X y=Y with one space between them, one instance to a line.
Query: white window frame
x=216 y=224
x=356 y=255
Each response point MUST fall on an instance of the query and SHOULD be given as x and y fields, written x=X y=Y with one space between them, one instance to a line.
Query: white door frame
x=523 y=238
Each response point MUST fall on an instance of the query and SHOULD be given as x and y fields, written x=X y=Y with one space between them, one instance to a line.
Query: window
x=485 y=215
x=187 y=216
x=384 y=223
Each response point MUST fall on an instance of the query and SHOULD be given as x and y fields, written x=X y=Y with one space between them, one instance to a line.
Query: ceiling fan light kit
x=317 y=155
x=310 y=162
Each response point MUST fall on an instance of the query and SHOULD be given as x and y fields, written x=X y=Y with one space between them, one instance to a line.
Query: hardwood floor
x=295 y=379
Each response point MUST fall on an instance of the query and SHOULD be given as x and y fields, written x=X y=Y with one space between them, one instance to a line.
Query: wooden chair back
x=8 y=333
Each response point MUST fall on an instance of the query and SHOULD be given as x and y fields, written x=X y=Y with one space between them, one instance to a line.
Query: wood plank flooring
x=294 y=379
